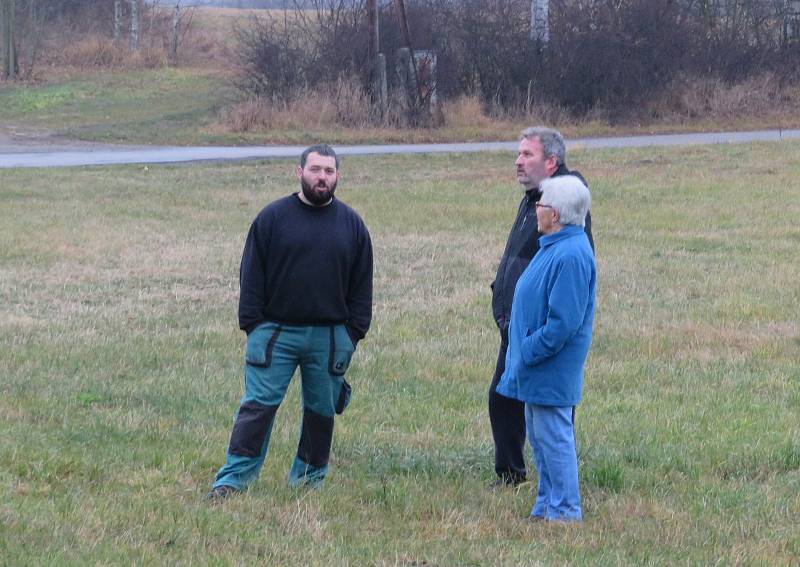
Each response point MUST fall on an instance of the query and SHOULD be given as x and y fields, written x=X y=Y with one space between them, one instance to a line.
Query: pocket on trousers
x=260 y=343
x=341 y=351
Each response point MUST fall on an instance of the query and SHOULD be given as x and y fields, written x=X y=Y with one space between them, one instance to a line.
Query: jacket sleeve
x=359 y=297
x=253 y=276
x=566 y=309
x=588 y=229
x=588 y=225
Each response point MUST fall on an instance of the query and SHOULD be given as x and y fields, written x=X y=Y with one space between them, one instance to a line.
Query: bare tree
x=33 y=34
x=10 y=67
x=181 y=20
x=117 y=19
x=134 y=39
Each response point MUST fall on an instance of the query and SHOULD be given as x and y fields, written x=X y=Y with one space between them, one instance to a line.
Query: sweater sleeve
x=566 y=309
x=359 y=297
x=252 y=276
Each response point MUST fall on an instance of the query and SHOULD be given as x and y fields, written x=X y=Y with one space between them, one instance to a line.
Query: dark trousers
x=507 y=417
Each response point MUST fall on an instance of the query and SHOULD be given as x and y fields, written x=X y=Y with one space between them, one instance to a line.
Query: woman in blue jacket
x=548 y=340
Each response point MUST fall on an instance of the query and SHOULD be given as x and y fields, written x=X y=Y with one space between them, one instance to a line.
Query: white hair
x=569 y=196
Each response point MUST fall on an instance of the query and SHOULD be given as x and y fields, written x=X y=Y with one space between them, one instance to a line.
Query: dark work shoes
x=221 y=493
x=508 y=482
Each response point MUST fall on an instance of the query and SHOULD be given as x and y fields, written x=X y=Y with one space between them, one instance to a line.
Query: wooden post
x=405 y=66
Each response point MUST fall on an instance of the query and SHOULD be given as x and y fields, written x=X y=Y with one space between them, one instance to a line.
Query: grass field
x=121 y=368
x=149 y=106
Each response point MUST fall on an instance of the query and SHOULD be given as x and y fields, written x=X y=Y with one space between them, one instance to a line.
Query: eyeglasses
x=539 y=204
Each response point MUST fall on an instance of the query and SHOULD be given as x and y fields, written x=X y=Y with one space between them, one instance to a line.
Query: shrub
x=614 y=56
x=103 y=52
x=466 y=110
x=93 y=51
x=274 y=63
x=713 y=97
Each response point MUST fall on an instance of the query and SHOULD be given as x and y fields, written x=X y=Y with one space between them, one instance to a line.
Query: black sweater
x=305 y=265
x=522 y=245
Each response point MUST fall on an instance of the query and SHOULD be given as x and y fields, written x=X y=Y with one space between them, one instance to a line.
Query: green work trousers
x=274 y=352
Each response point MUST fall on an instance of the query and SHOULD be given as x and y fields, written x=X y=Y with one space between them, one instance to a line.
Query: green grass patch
x=121 y=367
x=156 y=106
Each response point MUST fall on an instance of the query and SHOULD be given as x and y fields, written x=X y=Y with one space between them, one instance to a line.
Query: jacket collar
x=568 y=231
x=536 y=193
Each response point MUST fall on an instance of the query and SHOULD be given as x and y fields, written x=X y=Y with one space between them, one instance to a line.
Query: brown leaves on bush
x=103 y=52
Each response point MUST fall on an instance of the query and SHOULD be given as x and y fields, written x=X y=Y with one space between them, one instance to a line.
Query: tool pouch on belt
x=341 y=352
x=344 y=397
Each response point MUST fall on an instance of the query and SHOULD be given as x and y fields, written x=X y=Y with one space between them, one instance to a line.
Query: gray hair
x=552 y=142
x=569 y=196
x=321 y=149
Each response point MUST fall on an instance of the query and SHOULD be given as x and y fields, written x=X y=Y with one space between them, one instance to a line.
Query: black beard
x=314 y=196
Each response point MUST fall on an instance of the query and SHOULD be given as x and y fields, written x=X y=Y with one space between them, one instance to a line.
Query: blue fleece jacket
x=551 y=322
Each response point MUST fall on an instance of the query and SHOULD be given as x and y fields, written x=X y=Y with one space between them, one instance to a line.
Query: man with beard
x=541 y=155
x=305 y=300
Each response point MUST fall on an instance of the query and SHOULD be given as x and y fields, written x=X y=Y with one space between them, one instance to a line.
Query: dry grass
x=343 y=104
x=97 y=51
x=210 y=39
x=714 y=99
x=207 y=40
x=465 y=111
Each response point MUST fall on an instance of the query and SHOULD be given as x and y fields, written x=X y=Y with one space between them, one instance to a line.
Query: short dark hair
x=321 y=149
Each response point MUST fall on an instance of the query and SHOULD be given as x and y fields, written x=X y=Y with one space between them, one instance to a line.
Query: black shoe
x=507 y=481
x=221 y=493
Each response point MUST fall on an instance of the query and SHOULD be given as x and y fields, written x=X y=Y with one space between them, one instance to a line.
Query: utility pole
x=376 y=63
x=372 y=44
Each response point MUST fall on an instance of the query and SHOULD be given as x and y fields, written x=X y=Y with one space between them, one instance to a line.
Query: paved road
x=28 y=156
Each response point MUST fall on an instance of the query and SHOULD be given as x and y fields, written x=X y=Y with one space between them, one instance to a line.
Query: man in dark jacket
x=542 y=154
x=305 y=300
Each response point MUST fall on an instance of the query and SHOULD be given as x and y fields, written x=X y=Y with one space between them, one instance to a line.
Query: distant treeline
x=234 y=3
x=614 y=55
